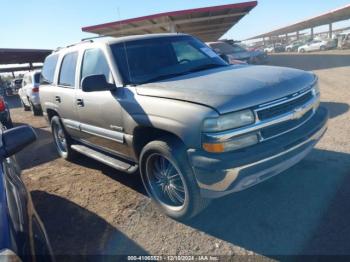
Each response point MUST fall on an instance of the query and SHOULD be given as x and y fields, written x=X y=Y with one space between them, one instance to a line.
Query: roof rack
x=83 y=41
x=92 y=38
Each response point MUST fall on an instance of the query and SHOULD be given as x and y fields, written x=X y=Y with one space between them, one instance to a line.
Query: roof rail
x=92 y=38
x=83 y=41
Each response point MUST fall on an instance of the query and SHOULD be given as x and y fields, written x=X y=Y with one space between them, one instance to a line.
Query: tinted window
x=37 y=78
x=68 y=69
x=95 y=63
x=148 y=60
x=49 y=68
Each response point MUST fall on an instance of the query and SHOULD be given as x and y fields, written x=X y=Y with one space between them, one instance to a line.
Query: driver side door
x=100 y=111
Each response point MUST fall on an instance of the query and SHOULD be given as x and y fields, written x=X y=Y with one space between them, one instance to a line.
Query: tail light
x=2 y=104
x=35 y=89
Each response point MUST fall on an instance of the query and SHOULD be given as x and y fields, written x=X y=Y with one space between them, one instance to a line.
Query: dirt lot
x=89 y=208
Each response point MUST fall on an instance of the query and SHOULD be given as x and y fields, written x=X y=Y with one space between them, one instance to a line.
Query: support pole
x=297 y=35
x=312 y=32
x=330 y=30
x=172 y=27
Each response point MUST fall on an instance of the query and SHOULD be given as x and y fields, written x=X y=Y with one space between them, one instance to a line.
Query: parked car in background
x=5 y=116
x=314 y=45
x=293 y=47
x=196 y=127
x=22 y=237
x=29 y=93
x=231 y=52
x=344 y=40
x=12 y=90
x=275 y=48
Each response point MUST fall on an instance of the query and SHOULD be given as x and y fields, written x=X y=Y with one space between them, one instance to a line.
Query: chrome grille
x=283 y=108
x=279 y=129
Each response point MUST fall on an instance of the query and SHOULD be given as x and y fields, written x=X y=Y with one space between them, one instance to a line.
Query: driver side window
x=95 y=63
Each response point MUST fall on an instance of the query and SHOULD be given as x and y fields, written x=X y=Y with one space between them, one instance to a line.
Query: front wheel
x=62 y=139
x=25 y=107
x=323 y=48
x=302 y=50
x=169 y=180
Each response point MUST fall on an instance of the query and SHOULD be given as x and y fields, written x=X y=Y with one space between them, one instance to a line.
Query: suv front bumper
x=221 y=174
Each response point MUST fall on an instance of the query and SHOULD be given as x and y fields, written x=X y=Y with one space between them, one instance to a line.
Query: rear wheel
x=323 y=48
x=169 y=180
x=62 y=139
x=8 y=123
x=302 y=50
x=36 y=110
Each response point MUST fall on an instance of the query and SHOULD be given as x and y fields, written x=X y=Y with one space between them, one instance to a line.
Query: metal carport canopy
x=336 y=15
x=208 y=23
x=21 y=56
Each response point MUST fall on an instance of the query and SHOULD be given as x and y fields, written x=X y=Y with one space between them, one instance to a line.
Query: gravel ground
x=89 y=208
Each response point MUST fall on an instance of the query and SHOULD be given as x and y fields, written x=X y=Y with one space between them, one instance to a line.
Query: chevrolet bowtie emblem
x=298 y=112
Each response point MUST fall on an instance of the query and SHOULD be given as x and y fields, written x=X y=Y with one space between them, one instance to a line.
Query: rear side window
x=95 y=63
x=68 y=69
x=49 y=68
x=37 y=78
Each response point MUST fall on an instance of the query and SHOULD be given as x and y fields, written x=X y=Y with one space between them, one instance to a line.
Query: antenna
x=124 y=44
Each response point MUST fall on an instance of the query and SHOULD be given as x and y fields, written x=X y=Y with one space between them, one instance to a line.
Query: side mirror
x=94 y=83
x=16 y=139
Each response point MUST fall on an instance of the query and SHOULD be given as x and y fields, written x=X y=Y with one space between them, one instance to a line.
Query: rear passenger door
x=100 y=112
x=64 y=96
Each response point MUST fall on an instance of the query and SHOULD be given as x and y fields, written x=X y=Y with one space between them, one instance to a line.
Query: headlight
x=232 y=144
x=229 y=121
x=7 y=255
x=316 y=88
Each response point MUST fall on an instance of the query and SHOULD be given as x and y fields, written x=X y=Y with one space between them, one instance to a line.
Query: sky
x=49 y=24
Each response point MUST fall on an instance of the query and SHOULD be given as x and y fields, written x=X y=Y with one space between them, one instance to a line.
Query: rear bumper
x=35 y=99
x=221 y=174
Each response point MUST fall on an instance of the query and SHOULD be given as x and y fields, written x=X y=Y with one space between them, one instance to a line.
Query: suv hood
x=232 y=88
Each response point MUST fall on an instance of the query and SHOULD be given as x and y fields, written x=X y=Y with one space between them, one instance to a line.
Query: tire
x=62 y=139
x=36 y=110
x=323 y=48
x=289 y=50
x=8 y=124
x=182 y=178
x=25 y=107
x=302 y=50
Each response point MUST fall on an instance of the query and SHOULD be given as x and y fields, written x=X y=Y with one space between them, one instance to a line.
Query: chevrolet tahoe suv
x=194 y=126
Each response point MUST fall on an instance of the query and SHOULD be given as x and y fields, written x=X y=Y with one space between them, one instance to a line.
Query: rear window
x=68 y=70
x=49 y=68
x=37 y=78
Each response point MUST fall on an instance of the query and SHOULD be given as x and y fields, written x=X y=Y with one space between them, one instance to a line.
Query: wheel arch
x=142 y=135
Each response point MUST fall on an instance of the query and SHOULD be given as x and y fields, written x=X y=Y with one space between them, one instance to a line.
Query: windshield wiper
x=205 y=67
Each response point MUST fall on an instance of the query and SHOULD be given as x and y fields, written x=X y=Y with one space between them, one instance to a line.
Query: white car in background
x=314 y=45
x=29 y=93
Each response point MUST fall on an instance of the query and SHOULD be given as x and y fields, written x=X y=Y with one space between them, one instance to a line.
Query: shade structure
x=208 y=23
x=339 y=14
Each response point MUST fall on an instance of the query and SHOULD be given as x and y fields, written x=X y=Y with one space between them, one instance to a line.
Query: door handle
x=80 y=102
x=58 y=99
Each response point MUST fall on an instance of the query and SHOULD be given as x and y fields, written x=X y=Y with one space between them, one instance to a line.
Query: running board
x=106 y=159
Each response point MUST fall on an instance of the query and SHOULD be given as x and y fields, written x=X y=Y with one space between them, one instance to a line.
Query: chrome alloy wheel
x=60 y=138
x=165 y=182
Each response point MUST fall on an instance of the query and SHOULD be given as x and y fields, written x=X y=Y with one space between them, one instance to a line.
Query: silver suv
x=167 y=105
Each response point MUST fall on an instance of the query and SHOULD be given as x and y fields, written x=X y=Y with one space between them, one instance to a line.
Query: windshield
x=148 y=60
